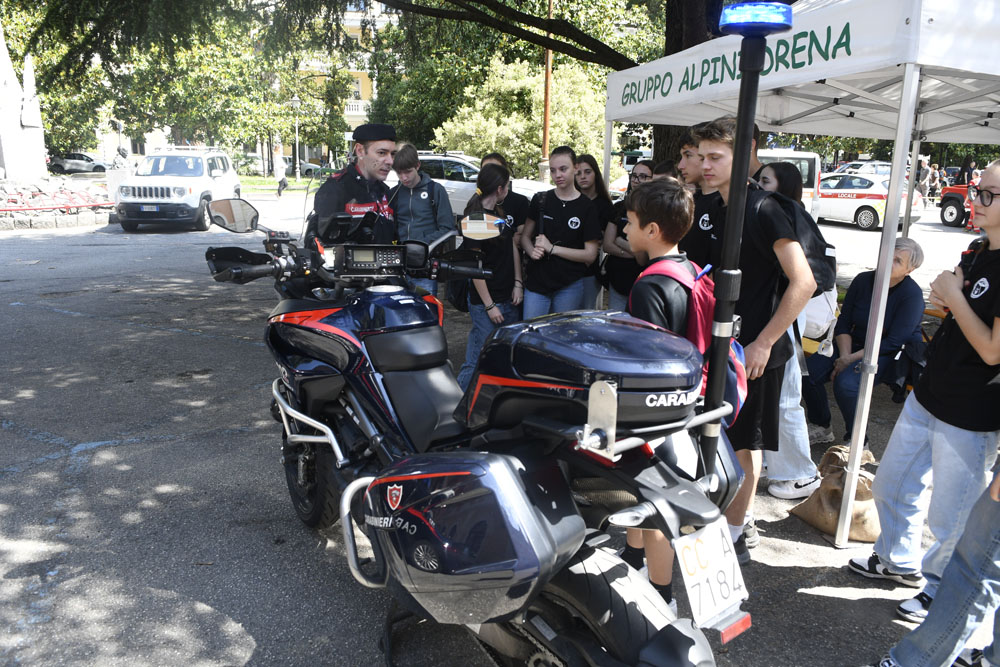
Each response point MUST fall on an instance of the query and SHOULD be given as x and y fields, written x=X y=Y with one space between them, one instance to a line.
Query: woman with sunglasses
x=622 y=266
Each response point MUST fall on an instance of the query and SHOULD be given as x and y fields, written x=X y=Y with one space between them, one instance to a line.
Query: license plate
x=149 y=209
x=712 y=575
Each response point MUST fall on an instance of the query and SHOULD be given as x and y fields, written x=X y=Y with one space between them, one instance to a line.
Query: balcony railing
x=357 y=107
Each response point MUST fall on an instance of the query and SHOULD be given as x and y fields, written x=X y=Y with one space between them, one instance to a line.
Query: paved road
x=143 y=514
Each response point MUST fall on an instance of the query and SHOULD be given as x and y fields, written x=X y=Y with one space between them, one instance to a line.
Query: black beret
x=374 y=132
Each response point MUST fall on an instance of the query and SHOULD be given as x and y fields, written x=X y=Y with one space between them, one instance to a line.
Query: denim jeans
x=969 y=590
x=793 y=460
x=482 y=327
x=563 y=300
x=617 y=300
x=425 y=283
x=591 y=288
x=846 y=387
x=923 y=449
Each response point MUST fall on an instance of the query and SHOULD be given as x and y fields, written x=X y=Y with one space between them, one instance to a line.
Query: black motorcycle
x=488 y=508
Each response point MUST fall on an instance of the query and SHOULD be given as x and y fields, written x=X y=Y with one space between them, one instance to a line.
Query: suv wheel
x=128 y=226
x=98 y=170
x=952 y=213
x=202 y=222
x=58 y=169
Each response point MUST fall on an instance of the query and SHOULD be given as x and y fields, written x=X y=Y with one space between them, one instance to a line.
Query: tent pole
x=914 y=174
x=904 y=132
x=608 y=129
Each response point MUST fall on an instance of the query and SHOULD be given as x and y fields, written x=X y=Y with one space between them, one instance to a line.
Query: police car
x=858 y=198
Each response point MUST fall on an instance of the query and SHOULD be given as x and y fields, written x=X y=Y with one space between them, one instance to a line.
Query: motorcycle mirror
x=481 y=226
x=234 y=215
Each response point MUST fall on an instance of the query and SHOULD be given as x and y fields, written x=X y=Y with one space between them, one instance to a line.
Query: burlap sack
x=822 y=509
x=836 y=458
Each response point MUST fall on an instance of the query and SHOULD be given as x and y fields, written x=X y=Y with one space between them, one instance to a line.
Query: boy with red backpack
x=675 y=294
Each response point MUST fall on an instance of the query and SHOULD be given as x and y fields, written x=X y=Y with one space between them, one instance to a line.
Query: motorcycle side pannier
x=463 y=538
x=546 y=367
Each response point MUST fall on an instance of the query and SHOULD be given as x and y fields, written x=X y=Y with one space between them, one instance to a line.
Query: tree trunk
x=692 y=18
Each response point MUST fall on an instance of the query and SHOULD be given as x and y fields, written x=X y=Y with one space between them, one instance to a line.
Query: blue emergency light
x=755 y=18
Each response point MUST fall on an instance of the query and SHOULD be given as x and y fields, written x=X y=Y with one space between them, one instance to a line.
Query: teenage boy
x=421 y=206
x=561 y=237
x=659 y=215
x=946 y=436
x=769 y=248
x=360 y=186
x=702 y=243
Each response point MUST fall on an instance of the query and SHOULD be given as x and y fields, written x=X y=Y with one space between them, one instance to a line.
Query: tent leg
x=914 y=175
x=608 y=129
x=904 y=131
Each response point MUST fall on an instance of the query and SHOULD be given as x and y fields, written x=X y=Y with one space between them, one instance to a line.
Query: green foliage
x=71 y=109
x=505 y=114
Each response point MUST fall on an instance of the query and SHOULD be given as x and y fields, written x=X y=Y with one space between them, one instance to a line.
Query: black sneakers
x=915 y=609
x=873 y=568
x=742 y=551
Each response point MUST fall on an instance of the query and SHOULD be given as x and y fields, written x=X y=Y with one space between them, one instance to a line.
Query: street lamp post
x=754 y=21
x=296 y=103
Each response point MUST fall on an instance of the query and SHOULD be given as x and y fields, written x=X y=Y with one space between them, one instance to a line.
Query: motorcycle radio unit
x=365 y=261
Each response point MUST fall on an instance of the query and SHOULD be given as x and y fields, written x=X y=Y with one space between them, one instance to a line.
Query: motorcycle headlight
x=125 y=191
x=180 y=192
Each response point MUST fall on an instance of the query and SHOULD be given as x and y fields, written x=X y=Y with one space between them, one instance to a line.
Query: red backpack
x=701 y=310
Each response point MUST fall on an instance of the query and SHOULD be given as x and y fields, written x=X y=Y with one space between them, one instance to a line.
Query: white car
x=873 y=167
x=175 y=186
x=76 y=162
x=857 y=198
x=458 y=176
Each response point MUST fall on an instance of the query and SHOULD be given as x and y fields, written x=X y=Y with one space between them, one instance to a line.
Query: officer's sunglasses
x=986 y=195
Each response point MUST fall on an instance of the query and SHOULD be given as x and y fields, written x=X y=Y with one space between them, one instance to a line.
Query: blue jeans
x=969 y=590
x=425 y=283
x=846 y=387
x=793 y=460
x=563 y=300
x=591 y=288
x=482 y=327
x=923 y=449
x=617 y=300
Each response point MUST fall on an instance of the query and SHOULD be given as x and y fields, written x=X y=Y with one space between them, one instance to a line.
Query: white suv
x=175 y=185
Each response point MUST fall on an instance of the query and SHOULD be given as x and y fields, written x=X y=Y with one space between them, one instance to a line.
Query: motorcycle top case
x=546 y=367
x=471 y=537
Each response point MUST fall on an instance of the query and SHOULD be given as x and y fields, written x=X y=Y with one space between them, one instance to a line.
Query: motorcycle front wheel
x=314 y=494
x=599 y=597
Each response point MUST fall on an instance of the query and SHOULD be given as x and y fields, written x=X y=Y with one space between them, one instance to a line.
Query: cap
x=374 y=132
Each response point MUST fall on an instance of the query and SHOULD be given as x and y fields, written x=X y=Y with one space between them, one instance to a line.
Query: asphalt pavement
x=143 y=513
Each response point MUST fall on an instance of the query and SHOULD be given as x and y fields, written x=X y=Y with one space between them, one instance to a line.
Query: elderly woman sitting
x=901 y=327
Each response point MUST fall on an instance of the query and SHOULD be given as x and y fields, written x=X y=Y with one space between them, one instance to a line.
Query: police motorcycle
x=489 y=508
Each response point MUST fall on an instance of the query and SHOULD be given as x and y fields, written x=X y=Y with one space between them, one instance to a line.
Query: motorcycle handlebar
x=244 y=273
x=449 y=270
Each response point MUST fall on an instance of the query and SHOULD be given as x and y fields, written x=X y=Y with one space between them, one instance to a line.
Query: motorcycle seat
x=424 y=400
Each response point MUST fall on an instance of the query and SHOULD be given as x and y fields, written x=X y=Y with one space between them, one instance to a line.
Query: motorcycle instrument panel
x=365 y=260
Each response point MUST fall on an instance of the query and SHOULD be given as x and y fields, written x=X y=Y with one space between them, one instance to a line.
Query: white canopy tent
x=907 y=70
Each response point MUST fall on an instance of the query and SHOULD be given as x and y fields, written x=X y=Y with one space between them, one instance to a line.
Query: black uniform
x=957 y=386
x=660 y=299
x=703 y=242
x=565 y=223
x=347 y=191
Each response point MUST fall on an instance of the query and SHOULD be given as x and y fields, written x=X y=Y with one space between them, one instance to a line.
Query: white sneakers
x=793 y=489
x=819 y=435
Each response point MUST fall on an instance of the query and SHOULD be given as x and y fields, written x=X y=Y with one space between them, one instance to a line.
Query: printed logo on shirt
x=510 y=221
x=574 y=223
x=979 y=288
x=423 y=195
x=705 y=223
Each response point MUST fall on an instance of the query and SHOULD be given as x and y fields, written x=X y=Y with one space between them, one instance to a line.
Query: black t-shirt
x=703 y=242
x=957 y=386
x=761 y=271
x=569 y=224
x=605 y=214
x=516 y=207
x=660 y=299
x=622 y=271
x=498 y=255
